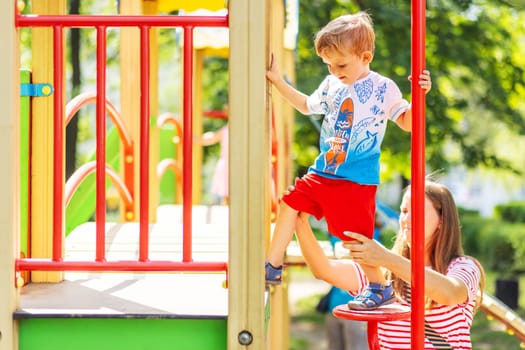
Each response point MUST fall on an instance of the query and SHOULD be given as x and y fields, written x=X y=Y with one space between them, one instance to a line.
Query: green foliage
x=298 y=344
x=388 y=237
x=306 y=304
x=215 y=82
x=497 y=244
x=511 y=212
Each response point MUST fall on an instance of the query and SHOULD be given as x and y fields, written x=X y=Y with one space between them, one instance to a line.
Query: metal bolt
x=245 y=338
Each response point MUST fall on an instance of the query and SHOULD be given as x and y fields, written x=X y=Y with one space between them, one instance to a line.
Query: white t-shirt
x=355 y=120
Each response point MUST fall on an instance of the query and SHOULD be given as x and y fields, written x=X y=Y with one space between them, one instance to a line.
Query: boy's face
x=347 y=67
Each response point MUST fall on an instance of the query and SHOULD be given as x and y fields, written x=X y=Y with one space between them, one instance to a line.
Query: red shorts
x=346 y=205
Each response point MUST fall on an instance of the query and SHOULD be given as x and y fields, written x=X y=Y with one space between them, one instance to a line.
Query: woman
x=453 y=282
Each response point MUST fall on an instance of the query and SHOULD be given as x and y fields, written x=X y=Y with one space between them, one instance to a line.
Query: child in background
x=219 y=182
x=341 y=184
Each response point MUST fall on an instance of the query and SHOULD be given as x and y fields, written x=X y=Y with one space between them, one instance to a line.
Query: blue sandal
x=273 y=274
x=374 y=296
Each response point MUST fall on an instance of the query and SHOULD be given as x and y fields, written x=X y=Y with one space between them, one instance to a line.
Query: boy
x=341 y=184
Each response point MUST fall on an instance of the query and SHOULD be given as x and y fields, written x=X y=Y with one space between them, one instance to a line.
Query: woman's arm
x=438 y=287
x=342 y=274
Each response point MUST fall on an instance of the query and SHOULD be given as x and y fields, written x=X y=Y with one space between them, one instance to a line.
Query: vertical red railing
x=144 y=24
x=144 y=142
x=187 y=142
x=100 y=216
x=58 y=144
x=418 y=177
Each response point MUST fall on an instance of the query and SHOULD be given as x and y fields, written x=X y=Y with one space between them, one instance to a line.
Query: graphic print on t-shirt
x=336 y=155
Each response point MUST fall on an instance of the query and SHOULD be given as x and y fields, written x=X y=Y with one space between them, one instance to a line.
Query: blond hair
x=346 y=34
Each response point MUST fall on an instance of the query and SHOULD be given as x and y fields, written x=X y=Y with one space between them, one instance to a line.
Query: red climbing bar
x=100 y=216
x=123 y=265
x=58 y=144
x=418 y=176
x=187 y=145
x=144 y=142
x=79 y=21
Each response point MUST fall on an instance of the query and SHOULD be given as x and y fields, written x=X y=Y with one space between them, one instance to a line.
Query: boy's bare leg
x=282 y=234
x=373 y=273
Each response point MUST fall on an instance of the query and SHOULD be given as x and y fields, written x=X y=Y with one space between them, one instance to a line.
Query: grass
x=299 y=344
x=490 y=334
x=486 y=334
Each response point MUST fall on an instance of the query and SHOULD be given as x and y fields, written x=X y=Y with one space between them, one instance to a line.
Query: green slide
x=81 y=207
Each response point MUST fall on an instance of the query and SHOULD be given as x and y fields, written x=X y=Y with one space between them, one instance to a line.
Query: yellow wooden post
x=130 y=88
x=287 y=112
x=249 y=173
x=198 y=110
x=42 y=142
x=9 y=177
x=279 y=315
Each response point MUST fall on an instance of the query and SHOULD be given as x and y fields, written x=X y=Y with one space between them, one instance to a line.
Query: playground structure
x=250 y=126
x=244 y=322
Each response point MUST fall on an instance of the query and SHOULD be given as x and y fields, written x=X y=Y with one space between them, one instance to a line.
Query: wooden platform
x=165 y=295
x=209 y=242
x=127 y=295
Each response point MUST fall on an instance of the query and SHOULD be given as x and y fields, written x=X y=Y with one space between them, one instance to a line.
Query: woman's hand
x=364 y=250
x=290 y=188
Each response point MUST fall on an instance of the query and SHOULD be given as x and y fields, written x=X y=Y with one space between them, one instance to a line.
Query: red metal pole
x=58 y=145
x=79 y=21
x=418 y=176
x=100 y=216
x=144 y=142
x=123 y=265
x=187 y=141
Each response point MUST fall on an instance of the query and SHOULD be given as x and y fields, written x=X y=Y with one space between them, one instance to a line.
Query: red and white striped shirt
x=451 y=322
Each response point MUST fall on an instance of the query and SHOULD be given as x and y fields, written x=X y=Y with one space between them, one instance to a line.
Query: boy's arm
x=405 y=120
x=294 y=97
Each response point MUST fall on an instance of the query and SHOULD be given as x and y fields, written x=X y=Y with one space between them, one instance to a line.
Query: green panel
x=128 y=334
x=267 y=311
x=25 y=77
x=167 y=150
x=82 y=205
